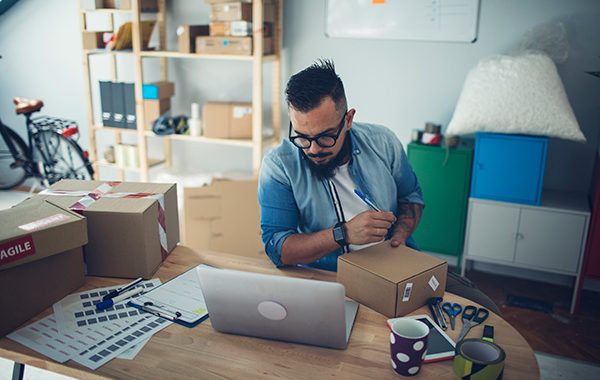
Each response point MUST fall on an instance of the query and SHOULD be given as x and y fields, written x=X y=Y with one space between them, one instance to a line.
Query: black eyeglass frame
x=317 y=137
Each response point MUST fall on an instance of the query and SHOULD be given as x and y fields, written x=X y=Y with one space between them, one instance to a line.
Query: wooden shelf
x=176 y=54
x=106 y=10
x=151 y=163
x=107 y=52
x=115 y=130
x=233 y=142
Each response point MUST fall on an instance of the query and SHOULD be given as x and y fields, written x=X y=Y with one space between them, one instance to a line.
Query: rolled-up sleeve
x=278 y=209
x=407 y=183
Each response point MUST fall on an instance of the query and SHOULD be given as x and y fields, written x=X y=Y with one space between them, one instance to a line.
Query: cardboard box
x=123 y=232
x=93 y=40
x=227 y=120
x=186 y=35
x=224 y=217
x=158 y=90
x=240 y=11
x=231 y=45
x=41 y=259
x=153 y=109
x=392 y=281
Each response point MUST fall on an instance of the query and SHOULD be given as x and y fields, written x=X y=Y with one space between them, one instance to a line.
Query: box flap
x=393 y=264
x=108 y=204
x=36 y=230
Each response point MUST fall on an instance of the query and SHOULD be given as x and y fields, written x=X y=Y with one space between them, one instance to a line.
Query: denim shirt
x=293 y=200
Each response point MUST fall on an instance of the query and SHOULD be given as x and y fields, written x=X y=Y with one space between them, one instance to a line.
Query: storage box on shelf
x=509 y=168
x=444 y=176
x=547 y=238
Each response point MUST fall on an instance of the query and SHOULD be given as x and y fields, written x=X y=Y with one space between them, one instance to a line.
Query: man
x=335 y=185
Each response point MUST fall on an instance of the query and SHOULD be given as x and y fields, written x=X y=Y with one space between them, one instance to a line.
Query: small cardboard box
x=153 y=109
x=240 y=11
x=186 y=34
x=392 y=281
x=227 y=120
x=224 y=217
x=92 y=40
x=125 y=224
x=230 y=45
x=158 y=90
x=41 y=259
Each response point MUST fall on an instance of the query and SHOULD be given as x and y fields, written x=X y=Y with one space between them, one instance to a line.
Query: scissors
x=452 y=309
x=471 y=316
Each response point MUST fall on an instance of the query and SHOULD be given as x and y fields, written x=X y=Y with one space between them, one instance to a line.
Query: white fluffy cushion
x=521 y=94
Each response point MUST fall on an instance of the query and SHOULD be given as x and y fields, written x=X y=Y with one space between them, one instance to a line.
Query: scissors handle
x=453 y=309
x=474 y=314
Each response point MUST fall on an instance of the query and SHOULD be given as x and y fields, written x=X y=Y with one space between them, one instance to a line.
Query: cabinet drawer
x=492 y=231
x=551 y=240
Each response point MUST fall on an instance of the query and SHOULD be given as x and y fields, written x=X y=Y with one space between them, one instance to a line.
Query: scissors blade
x=465 y=329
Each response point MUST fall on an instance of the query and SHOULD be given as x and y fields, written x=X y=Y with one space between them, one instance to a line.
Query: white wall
x=401 y=84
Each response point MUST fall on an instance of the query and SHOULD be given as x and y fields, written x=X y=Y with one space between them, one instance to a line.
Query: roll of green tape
x=478 y=359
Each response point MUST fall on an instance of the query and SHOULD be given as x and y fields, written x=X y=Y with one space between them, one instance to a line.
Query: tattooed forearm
x=409 y=216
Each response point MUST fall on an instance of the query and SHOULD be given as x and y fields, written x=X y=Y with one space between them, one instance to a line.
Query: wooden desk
x=178 y=352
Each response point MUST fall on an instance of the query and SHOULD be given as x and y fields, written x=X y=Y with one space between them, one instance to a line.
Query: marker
x=120 y=290
x=123 y=296
x=366 y=200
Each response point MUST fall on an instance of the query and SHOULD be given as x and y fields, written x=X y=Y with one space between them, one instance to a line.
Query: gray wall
x=401 y=84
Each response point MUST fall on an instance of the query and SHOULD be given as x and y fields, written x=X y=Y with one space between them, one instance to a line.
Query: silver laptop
x=277 y=307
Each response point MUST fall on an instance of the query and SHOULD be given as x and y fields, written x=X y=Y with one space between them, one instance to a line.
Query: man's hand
x=369 y=227
x=410 y=214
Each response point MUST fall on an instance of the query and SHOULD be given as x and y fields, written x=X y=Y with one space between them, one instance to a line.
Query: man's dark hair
x=306 y=90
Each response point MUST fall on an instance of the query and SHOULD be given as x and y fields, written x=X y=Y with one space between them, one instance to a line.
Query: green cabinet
x=444 y=175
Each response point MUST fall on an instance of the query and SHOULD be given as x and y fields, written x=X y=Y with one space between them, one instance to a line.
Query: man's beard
x=326 y=171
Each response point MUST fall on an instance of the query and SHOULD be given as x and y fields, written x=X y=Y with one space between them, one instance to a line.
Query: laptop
x=278 y=307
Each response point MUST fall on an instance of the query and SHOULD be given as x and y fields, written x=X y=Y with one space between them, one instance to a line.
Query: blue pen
x=366 y=200
x=123 y=296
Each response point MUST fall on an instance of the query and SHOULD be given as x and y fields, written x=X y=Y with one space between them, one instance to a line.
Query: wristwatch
x=339 y=234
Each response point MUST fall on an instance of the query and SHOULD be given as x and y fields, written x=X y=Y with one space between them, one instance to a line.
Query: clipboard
x=179 y=300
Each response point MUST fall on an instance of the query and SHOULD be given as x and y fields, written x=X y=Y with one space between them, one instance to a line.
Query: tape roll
x=433 y=128
x=477 y=359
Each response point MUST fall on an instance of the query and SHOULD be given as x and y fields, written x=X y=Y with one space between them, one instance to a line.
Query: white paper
x=131 y=353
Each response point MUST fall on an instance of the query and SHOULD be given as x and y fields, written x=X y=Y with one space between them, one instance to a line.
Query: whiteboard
x=424 y=20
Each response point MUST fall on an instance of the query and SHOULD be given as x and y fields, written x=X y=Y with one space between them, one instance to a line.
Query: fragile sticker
x=434 y=283
x=44 y=222
x=16 y=249
x=239 y=112
x=407 y=291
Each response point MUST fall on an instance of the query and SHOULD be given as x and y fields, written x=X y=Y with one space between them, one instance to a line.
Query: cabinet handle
x=519 y=236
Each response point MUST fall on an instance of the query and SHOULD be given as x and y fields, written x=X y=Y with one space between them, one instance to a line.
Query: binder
x=118 y=104
x=130 y=114
x=106 y=103
x=179 y=300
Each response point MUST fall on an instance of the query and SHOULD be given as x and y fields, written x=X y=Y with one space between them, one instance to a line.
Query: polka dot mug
x=408 y=345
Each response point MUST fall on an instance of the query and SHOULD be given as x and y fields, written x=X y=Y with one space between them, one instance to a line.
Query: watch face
x=339 y=236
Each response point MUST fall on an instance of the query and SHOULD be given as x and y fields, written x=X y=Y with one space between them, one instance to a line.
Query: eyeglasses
x=324 y=140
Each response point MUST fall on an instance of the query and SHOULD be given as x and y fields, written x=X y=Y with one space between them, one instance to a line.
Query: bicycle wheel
x=62 y=158
x=11 y=175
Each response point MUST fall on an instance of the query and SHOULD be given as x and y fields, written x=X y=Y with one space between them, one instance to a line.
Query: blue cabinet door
x=509 y=168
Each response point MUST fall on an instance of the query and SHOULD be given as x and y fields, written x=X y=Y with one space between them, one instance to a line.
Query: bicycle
x=51 y=154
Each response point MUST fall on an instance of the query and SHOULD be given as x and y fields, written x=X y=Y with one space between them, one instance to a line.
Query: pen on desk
x=120 y=290
x=123 y=296
x=366 y=200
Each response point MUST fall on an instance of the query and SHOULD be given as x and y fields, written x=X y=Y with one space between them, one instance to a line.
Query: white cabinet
x=550 y=237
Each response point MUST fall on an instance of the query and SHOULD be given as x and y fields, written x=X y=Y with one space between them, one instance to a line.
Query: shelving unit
x=258 y=142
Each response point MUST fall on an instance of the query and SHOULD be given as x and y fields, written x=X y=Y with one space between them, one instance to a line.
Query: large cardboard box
x=41 y=259
x=223 y=216
x=227 y=120
x=124 y=224
x=392 y=281
x=186 y=35
x=93 y=40
x=230 y=45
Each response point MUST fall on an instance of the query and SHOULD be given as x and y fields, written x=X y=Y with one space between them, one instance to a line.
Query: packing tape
x=102 y=191
x=478 y=359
